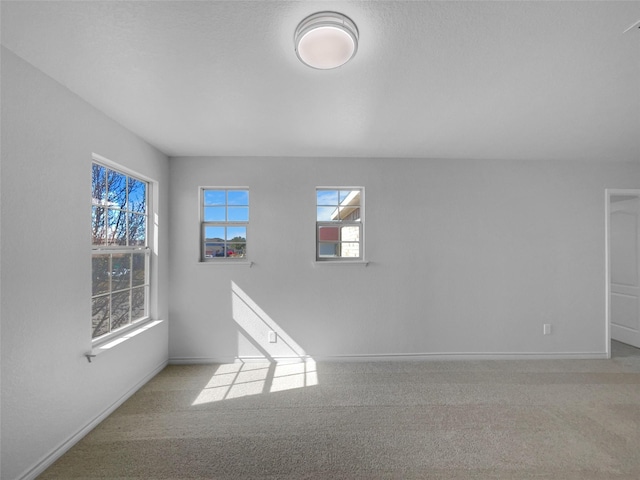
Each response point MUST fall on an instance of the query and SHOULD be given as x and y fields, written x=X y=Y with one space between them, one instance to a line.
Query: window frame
x=113 y=249
x=340 y=223
x=203 y=258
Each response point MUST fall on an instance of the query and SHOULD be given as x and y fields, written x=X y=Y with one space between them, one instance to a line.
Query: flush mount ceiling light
x=326 y=40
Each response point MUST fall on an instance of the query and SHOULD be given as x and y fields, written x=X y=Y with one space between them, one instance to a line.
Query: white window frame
x=118 y=249
x=341 y=223
x=225 y=224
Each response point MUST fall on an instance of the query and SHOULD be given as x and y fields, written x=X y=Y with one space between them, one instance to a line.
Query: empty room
x=320 y=240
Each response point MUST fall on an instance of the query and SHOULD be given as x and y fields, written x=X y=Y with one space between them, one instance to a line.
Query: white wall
x=466 y=257
x=49 y=390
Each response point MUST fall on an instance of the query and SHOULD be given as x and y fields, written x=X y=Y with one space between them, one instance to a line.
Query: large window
x=120 y=253
x=339 y=219
x=224 y=214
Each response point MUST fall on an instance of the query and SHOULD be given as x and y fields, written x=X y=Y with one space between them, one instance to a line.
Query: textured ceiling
x=512 y=80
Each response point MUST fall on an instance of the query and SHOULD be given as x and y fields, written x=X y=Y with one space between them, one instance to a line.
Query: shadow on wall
x=269 y=360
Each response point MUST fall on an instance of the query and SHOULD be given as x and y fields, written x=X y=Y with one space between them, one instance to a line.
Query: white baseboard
x=229 y=359
x=57 y=452
x=200 y=360
x=462 y=356
x=400 y=357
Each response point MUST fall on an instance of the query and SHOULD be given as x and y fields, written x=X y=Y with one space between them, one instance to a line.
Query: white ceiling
x=512 y=80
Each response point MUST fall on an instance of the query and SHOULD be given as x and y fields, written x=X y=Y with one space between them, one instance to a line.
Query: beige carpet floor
x=441 y=420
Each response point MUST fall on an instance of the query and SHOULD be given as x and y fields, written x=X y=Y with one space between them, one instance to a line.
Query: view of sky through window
x=338 y=223
x=225 y=215
x=120 y=255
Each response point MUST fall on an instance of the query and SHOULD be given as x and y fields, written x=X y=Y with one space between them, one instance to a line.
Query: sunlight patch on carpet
x=242 y=379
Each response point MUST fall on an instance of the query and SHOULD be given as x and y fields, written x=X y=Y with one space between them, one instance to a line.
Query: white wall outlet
x=273 y=336
x=546 y=329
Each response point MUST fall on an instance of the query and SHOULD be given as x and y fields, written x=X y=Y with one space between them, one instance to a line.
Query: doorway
x=623 y=267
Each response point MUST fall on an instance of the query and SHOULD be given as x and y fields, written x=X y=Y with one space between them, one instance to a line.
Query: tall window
x=224 y=214
x=339 y=220
x=120 y=252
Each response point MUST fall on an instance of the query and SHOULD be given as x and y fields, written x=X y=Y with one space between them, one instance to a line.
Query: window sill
x=101 y=346
x=236 y=263
x=359 y=263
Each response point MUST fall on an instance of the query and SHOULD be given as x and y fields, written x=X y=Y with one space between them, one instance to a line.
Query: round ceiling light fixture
x=326 y=40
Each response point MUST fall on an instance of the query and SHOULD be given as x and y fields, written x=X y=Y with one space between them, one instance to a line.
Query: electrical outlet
x=273 y=336
x=546 y=329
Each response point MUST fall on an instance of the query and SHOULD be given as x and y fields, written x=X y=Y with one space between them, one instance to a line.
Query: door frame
x=608 y=193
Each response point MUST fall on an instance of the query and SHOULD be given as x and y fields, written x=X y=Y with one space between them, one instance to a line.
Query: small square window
x=224 y=221
x=339 y=223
